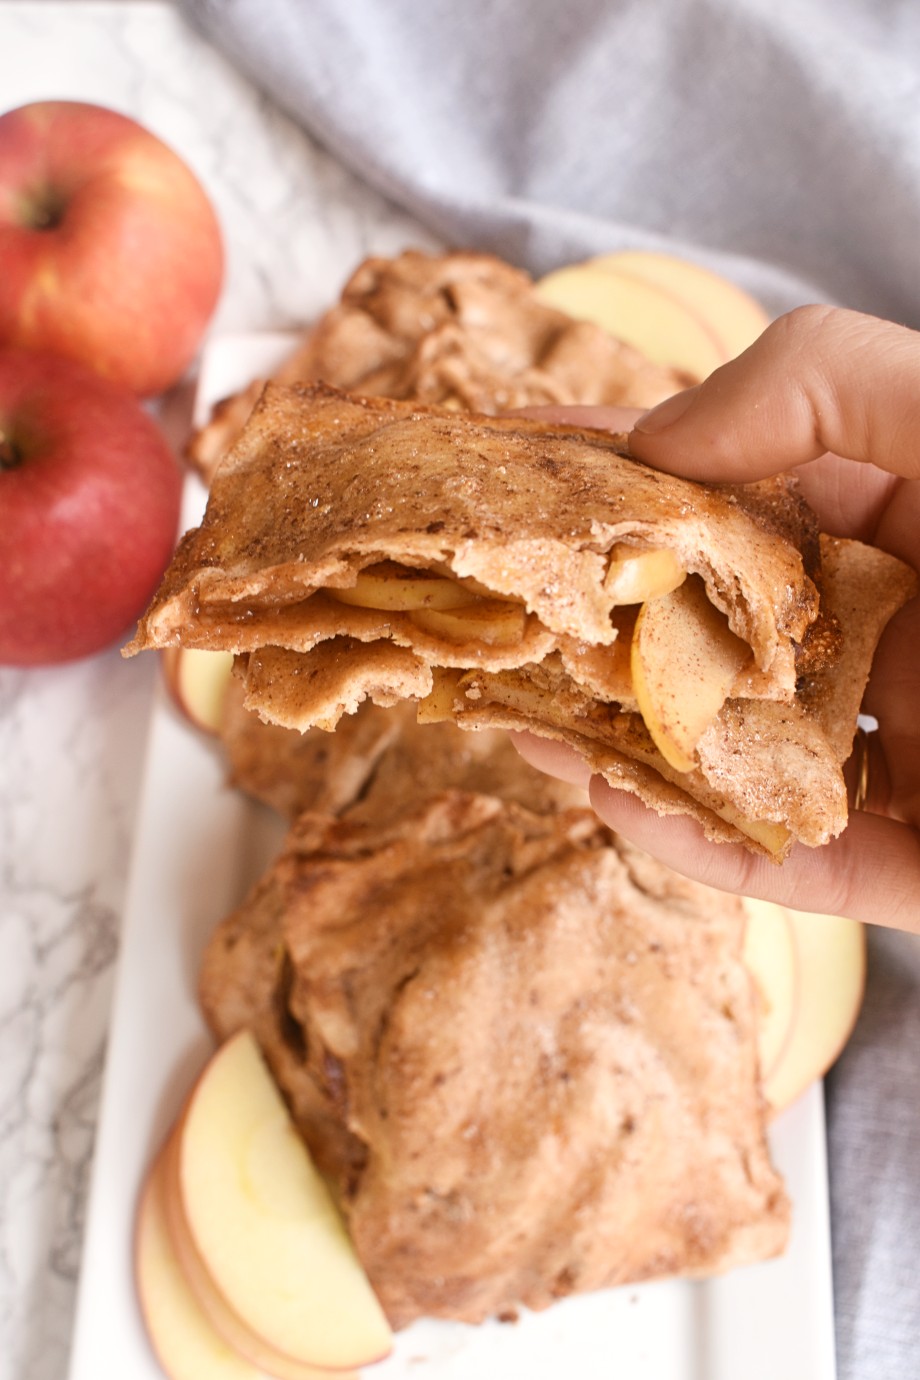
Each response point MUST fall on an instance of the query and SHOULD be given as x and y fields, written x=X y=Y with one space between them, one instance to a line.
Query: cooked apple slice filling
x=493 y=621
x=391 y=587
x=438 y=705
x=603 y=736
x=675 y=663
x=458 y=611
x=775 y=838
x=464 y=610
x=685 y=660
x=634 y=576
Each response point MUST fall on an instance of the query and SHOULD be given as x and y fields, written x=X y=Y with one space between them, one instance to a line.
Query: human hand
x=834 y=395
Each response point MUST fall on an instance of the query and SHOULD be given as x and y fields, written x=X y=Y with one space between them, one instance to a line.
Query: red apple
x=89 y=507
x=111 y=250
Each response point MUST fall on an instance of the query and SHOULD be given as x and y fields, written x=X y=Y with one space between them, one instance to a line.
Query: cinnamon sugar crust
x=459 y=330
x=619 y=1137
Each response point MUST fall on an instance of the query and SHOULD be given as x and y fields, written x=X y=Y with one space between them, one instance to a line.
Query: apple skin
x=89 y=497
x=182 y=1339
x=111 y=251
x=256 y=1229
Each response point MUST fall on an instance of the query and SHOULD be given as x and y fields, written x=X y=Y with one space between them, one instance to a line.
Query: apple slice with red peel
x=733 y=316
x=214 y=1308
x=634 y=576
x=263 y=1224
x=185 y=1343
x=644 y=315
x=393 y=589
x=831 y=958
x=197 y=681
x=775 y=838
x=770 y=957
x=684 y=662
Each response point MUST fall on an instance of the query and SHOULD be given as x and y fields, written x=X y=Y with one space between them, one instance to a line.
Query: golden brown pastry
x=462 y=330
x=523 y=1052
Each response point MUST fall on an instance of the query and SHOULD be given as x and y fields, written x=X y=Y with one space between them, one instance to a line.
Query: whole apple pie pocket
x=621 y=1135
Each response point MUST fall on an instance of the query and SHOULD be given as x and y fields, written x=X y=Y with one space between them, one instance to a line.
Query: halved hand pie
x=495 y=568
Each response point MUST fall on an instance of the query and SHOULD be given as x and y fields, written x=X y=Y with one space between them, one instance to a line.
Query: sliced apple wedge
x=684 y=661
x=770 y=957
x=263 y=1225
x=220 y=1317
x=197 y=681
x=831 y=958
x=185 y=1343
x=642 y=314
x=634 y=576
x=495 y=621
x=733 y=316
x=392 y=589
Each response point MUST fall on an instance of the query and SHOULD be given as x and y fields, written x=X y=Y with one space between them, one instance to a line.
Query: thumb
x=818 y=379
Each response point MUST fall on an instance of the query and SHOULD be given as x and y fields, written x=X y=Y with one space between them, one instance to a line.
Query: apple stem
x=9 y=455
x=44 y=211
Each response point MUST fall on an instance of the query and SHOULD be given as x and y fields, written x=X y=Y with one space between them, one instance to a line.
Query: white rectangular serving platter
x=198 y=847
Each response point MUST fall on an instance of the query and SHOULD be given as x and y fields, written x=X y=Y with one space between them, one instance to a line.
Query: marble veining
x=72 y=738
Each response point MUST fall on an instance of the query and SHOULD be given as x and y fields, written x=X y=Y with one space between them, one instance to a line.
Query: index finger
x=818 y=379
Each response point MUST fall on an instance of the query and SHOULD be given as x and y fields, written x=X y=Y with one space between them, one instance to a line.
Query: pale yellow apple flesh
x=197 y=681
x=684 y=662
x=733 y=316
x=770 y=957
x=220 y=1316
x=497 y=622
x=634 y=576
x=642 y=314
x=185 y=1343
x=831 y=958
x=263 y=1222
x=438 y=704
x=773 y=837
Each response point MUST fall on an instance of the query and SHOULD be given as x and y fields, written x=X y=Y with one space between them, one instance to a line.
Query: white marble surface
x=72 y=738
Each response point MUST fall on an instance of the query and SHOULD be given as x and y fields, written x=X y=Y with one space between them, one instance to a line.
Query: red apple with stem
x=89 y=508
x=111 y=250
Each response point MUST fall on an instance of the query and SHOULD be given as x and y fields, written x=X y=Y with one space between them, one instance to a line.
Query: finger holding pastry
x=835 y=879
x=834 y=395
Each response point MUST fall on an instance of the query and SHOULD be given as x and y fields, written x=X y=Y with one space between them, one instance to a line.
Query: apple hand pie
x=461 y=330
x=702 y=646
x=620 y=1134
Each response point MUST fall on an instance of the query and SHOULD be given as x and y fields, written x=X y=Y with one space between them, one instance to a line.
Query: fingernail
x=666 y=413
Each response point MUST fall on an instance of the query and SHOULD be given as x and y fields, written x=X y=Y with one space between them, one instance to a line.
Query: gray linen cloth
x=777 y=141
